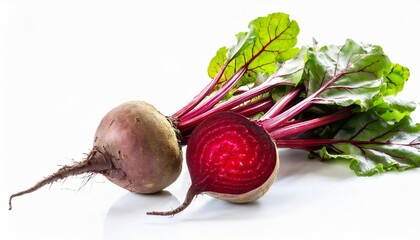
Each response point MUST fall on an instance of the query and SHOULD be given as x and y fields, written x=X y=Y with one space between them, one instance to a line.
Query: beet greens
x=335 y=101
x=356 y=81
x=255 y=55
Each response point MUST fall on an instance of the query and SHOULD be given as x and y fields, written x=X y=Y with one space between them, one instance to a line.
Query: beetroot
x=139 y=150
x=135 y=147
x=231 y=158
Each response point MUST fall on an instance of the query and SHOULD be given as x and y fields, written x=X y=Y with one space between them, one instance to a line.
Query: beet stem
x=214 y=99
x=281 y=104
x=253 y=108
x=206 y=91
x=285 y=116
x=196 y=116
x=319 y=142
x=293 y=129
x=94 y=163
x=188 y=200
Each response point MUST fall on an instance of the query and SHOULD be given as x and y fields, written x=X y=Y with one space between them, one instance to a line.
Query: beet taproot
x=135 y=147
x=231 y=158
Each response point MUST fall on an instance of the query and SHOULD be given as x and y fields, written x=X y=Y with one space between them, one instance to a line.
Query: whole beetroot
x=135 y=147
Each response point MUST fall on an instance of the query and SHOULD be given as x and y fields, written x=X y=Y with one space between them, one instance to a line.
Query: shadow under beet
x=127 y=216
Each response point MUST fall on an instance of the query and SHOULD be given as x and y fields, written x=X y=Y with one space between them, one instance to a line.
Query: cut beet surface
x=231 y=158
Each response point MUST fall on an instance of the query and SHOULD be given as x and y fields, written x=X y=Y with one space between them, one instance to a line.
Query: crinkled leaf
x=289 y=74
x=270 y=39
x=244 y=40
x=351 y=74
x=374 y=146
x=395 y=79
x=392 y=109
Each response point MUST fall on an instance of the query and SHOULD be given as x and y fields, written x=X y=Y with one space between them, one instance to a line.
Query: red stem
x=281 y=104
x=206 y=91
x=285 y=116
x=293 y=129
x=190 y=120
x=249 y=110
x=214 y=99
x=310 y=143
x=188 y=112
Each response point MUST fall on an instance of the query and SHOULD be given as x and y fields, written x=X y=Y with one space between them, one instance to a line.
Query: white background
x=64 y=64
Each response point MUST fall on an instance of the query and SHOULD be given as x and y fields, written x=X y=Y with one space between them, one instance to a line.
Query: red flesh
x=228 y=154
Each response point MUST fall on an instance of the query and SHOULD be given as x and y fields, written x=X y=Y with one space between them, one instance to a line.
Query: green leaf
x=289 y=74
x=395 y=79
x=392 y=110
x=217 y=63
x=270 y=39
x=351 y=74
x=244 y=40
x=374 y=146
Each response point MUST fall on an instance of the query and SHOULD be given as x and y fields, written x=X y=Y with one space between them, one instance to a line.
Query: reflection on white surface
x=127 y=216
x=327 y=199
x=211 y=218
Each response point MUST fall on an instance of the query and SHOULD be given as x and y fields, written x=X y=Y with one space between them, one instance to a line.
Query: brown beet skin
x=135 y=147
x=142 y=145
